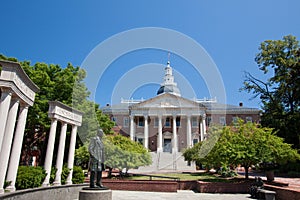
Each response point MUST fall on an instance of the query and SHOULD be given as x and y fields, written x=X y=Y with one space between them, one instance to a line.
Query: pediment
x=167 y=101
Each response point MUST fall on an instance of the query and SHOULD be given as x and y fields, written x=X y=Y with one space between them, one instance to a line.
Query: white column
x=16 y=148
x=175 y=142
x=71 y=154
x=146 y=133
x=188 y=132
x=160 y=141
x=203 y=131
x=60 y=154
x=7 y=141
x=49 y=153
x=4 y=107
x=132 y=128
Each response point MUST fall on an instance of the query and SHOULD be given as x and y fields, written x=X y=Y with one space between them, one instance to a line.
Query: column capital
x=63 y=123
x=15 y=98
x=24 y=105
x=7 y=91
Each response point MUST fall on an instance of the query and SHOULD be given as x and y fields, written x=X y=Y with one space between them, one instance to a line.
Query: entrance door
x=140 y=140
x=167 y=145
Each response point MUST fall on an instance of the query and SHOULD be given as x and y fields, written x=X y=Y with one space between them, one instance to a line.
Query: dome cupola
x=168 y=85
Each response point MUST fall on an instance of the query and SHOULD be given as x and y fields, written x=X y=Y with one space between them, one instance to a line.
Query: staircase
x=165 y=162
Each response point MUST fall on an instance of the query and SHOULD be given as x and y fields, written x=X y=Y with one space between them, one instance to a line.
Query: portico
x=17 y=94
x=59 y=112
x=171 y=116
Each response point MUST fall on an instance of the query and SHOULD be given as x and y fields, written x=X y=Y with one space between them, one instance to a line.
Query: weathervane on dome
x=169 y=57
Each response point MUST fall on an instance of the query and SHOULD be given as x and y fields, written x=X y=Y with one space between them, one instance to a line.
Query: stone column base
x=95 y=194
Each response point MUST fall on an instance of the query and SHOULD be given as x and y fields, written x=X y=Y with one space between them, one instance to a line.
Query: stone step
x=166 y=162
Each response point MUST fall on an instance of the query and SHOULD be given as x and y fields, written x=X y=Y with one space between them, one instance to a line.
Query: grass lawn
x=183 y=176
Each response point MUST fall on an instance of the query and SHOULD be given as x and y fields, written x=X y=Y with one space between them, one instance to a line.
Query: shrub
x=64 y=174
x=226 y=172
x=78 y=176
x=30 y=177
x=6 y=183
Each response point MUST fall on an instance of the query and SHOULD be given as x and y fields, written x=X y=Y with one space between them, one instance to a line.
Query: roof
x=173 y=89
x=160 y=101
x=213 y=107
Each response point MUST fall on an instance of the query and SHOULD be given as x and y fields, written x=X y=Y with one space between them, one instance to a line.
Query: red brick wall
x=283 y=193
x=187 y=185
x=154 y=186
x=212 y=187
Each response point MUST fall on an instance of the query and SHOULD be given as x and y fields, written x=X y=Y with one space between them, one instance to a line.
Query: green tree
x=122 y=152
x=82 y=156
x=246 y=144
x=203 y=153
x=67 y=86
x=280 y=93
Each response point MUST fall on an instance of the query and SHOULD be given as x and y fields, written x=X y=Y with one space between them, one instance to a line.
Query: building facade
x=168 y=122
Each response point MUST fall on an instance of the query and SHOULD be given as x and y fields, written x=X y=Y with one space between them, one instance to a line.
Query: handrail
x=156 y=176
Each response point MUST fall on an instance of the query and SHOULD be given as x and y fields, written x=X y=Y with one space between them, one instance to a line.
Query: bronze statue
x=96 y=149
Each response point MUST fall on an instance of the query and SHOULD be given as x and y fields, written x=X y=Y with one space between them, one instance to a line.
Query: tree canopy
x=280 y=93
x=244 y=144
x=121 y=152
x=64 y=84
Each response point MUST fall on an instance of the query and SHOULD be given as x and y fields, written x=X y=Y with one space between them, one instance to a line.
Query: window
x=168 y=123
x=194 y=122
x=208 y=120
x=195 y=141
x=141 y=121
x=177 y=121
x=125 y=122
x=248 y=119
x=114 y=119
x=155 y=122
x=234 y=120
x=222 y=120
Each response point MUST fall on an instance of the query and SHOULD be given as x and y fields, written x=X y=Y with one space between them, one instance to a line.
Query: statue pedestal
x=95 y=194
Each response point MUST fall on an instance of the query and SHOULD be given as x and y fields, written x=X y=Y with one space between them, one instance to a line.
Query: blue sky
x=230 y=32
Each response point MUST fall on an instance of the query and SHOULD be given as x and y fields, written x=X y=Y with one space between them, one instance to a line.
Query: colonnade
x=175 y=148
x=17 y=94
x=59 y=112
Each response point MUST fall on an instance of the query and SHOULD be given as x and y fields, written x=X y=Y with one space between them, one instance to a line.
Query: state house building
x=168 y=122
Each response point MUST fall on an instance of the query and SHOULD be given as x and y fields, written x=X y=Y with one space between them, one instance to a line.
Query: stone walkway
x=181 y=194
x=294 y=183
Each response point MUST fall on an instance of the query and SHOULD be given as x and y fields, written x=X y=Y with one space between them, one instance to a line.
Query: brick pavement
x=180 y=194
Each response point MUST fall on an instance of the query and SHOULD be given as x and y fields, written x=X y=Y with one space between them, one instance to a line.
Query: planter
x=222 y=187
x=270 y=175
